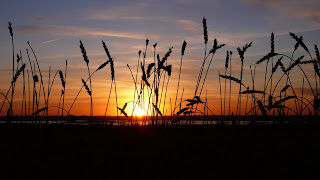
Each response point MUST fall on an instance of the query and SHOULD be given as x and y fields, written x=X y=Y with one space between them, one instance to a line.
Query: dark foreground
x=197 y=152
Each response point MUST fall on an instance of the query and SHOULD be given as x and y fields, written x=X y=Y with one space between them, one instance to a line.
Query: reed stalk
x=182 y=53
x=225 y=83
x=230 y=84
x=44 y=95
x=220 y=96
x=64 y=87
x=12 y=44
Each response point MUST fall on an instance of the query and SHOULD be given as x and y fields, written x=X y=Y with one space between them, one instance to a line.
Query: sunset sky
x=54 y=29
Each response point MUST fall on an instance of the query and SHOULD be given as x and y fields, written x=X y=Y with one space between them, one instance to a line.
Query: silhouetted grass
x=151 y=83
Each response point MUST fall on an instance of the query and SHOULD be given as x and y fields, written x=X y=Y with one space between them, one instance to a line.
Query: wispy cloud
x=52 y=40
x=79 y=31
x=124 y=12
x=296 y=8
x=189 y=25
x=41 y=18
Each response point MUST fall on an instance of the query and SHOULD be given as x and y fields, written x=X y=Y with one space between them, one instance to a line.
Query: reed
x=230 y=71
x=233 y=79
x=115 y=86
x=86 y=59
x=64 y=87
x=205 y=37
x=165 y=96
x=184 y=44
x=113 y=79
x=24 y=98
x=12 y=44
x=41 y=79
x=225 y=83
x=241 y=54
x=221 y=108
x=50 y=84
x=155 y=78
x=212 y=51
x=49 y=90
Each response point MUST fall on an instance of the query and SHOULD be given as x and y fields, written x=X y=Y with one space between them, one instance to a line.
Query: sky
x=54 y=29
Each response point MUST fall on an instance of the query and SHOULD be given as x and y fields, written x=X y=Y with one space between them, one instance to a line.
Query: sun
x=139 y=111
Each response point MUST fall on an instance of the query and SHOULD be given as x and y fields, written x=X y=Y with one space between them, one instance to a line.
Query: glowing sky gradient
x=54 y=29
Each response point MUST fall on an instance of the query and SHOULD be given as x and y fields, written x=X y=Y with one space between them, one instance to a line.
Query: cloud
x=79 y=31
x=140 y=11
x=192 y=30
x=189 y=25
x=41 y=18
x=49 y=41
x=297 y=8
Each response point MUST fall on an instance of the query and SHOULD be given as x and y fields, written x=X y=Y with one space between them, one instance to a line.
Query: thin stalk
x=205 y=77
x=36 y=95
x=4 y=99
x=225 y=89
x=24 y=99
x=302 y=96
x=12 y=44
x=136 y=89
x=239 y=95
x=165 y=96
x=220 y=95
x=252 y=78
x=48 y=91
x=164 y=78
x=265 y=79
x=175 y=102
x=33 y=90
x=44 y=95
x=91 y=104
x=29 y=90
x=105 y=113
x=59 y=104
x=65 y=80
x=80 y=91
x=245 y=111
x=230 y=84
x=201 y=69
x=115 y=89
x=154 y=79
x=204 y=107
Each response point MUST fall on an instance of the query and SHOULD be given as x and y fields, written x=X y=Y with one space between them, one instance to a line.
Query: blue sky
x=54 y=29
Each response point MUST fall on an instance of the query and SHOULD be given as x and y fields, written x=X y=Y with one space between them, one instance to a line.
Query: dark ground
x=197 y=152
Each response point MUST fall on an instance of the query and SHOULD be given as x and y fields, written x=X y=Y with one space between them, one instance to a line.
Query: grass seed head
x=205 y=31
x=62 y=79
x=184 y=44
x=10 y=29
x=272 y=42
x=18 y=73
x=84 y=53
x=86 y=87
x=106 y=50
x=227 y=60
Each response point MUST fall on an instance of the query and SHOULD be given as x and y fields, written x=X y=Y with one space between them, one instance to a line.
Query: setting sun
x=140 y=109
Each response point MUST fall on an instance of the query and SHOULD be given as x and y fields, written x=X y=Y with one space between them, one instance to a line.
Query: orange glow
x=139 y=112
x=139 y=109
